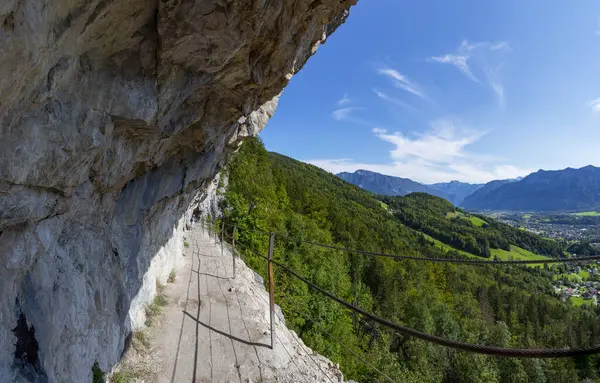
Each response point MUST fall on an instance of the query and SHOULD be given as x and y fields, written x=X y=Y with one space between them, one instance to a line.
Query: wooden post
x=214 y=229
x=233 y=248
x=271 y=288
x=222 y=235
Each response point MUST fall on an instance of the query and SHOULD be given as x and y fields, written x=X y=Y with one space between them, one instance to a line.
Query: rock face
x=114 y=117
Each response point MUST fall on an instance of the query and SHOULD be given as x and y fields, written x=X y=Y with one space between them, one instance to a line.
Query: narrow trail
x=216 y=328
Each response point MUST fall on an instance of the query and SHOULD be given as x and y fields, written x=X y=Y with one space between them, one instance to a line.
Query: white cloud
x=400 y=81
x=595 y=104
x=440 y=145
x=423 y=172
x=342 y=113
x=483 y=57
x=344 y=100
x=440 y=155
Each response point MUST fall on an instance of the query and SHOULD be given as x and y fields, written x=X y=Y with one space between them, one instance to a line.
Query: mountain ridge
x=384 y=184
x=479 y=195
x=456 y=190
x=568 y=189
x=453 y=191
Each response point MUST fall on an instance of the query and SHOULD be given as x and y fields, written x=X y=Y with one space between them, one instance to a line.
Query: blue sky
x=438 y=91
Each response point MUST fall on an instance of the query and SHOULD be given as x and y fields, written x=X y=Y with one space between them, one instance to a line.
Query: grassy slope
x=447 y=248
x=580 y=276
x=579 y=301
x=572 y=277
x=475 y=220
x=383 y=205
x=452 y=214
x=588 y=214
x=516 y=253
x=429 y=207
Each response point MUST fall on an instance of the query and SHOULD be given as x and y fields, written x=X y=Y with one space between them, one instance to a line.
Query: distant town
x=579 y=283
x=565 y=226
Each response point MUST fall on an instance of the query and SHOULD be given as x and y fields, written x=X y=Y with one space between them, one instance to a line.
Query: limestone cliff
x=115 y=115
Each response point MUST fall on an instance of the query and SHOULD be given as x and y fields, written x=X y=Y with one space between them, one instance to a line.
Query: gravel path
x=216 y=328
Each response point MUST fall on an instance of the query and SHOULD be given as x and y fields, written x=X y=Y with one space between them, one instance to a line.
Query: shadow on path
x=187 y=298
x=210 y=275
x=225 y=334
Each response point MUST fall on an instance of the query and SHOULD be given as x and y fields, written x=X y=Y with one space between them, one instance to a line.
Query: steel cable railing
x=333 y=338
x=458 y=345
x=450 y=343
x=434 y=259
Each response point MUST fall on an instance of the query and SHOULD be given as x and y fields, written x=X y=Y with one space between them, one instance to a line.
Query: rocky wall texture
x=115 y=115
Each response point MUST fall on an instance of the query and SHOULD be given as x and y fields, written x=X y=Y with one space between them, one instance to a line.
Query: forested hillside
x=509 y=306
x=471 y=233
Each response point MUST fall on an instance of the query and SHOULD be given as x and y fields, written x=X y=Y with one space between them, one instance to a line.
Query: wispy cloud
x=501 y=46
x=423 y=172
x=440 y=155
x=499 y=90
x=348 y=114
x=441 y=144
x=393 y=100
x=485 y=58
x=400 y=81
x=344 y=100
x=458 y=61
x=595 y=104
x=342 y=113
x=493 y=80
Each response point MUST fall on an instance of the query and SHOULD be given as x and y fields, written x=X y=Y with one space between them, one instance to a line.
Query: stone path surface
x=216 y=328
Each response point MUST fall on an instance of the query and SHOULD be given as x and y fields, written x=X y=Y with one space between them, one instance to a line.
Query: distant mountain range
x=388 y=185
x=453 y=191
x=556 y=190
x=479 y=197
x=456 y=191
